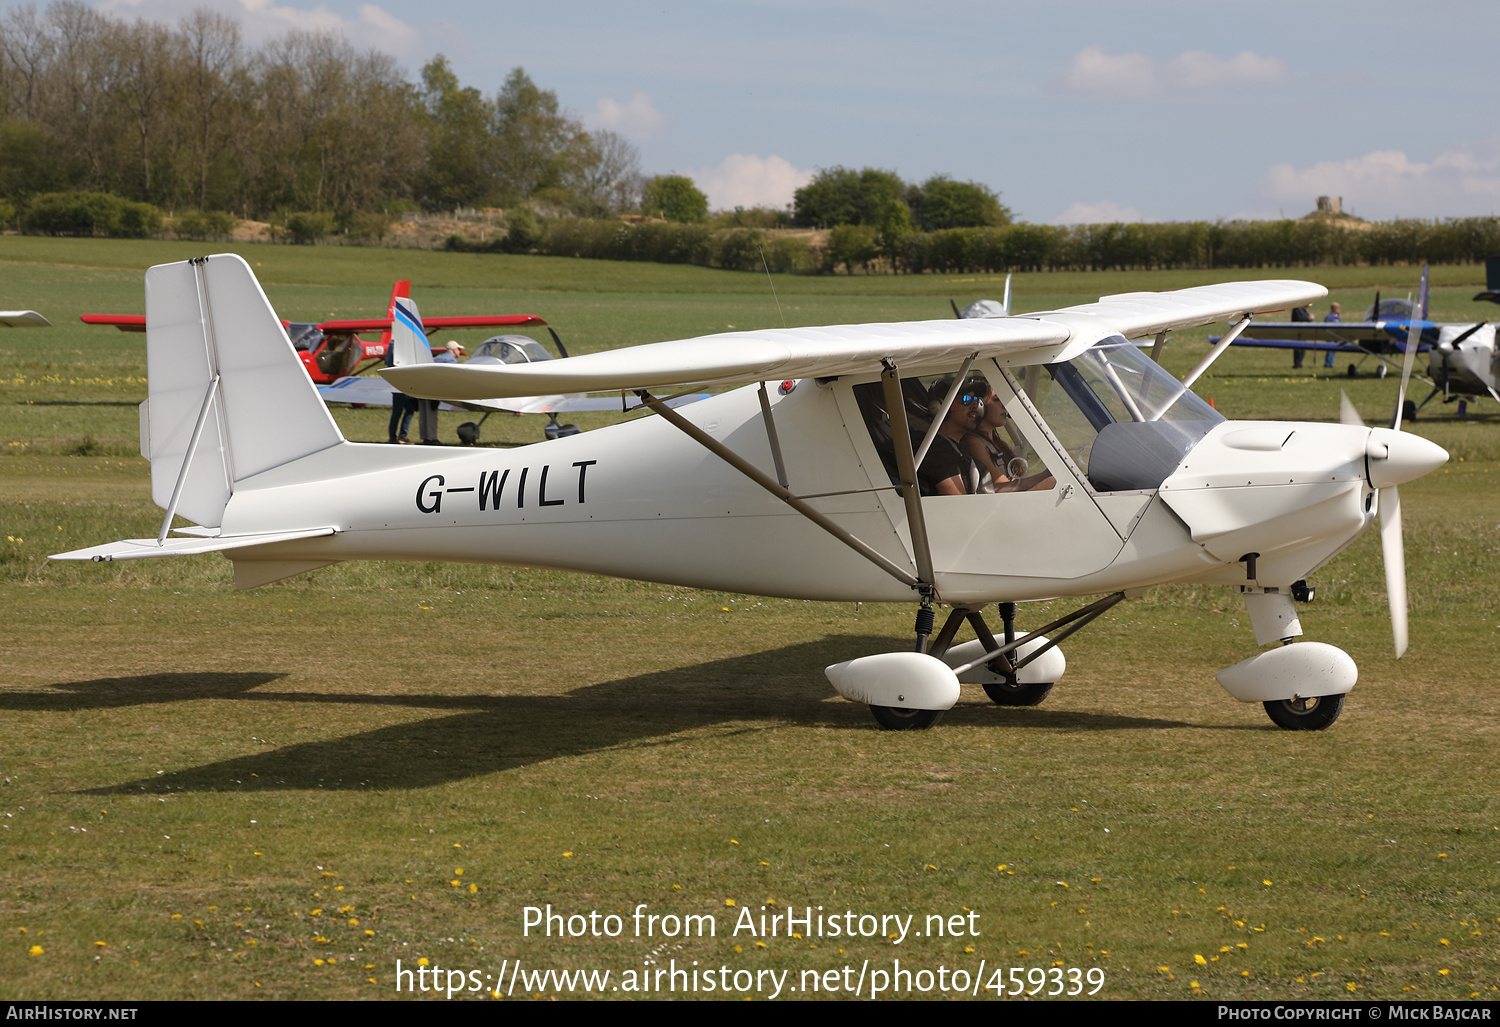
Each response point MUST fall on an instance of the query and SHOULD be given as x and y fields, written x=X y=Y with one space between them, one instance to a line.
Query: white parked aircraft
x=23 y=319
x=876 y=495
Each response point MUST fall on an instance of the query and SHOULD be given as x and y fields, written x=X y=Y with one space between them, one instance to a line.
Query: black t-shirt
x=946 y=459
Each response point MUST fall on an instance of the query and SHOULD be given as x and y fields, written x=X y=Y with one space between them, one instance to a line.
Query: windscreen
x=1124 y=420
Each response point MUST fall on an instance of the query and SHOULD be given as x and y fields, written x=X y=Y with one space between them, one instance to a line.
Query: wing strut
x=906 y=465
x=778 y=490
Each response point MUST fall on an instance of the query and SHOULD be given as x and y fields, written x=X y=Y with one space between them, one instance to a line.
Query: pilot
x=949 y=469
x=998 y=463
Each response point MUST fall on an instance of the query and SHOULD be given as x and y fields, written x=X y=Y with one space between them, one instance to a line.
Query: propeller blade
x=1347 y=413
x=1413 y=341
x=1393 y=550
x=1467 y=333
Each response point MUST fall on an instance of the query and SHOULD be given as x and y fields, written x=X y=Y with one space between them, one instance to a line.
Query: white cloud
x=1135 y=76
x=1386 y=183
x=635 y=119
x=260 y=20
x=1198 y=69
x=745 y=180
x=1103 y=212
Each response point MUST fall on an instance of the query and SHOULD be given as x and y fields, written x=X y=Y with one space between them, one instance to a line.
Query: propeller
x=1394 y=457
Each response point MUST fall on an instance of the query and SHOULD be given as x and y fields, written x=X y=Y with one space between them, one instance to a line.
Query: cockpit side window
x=975 y=449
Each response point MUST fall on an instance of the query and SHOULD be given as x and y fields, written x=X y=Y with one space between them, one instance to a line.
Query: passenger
x=998 y=463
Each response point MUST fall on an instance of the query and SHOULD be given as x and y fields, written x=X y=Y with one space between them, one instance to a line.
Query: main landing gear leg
x=1010 y=691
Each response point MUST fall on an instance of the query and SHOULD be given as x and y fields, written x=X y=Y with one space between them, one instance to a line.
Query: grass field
x=218 y=794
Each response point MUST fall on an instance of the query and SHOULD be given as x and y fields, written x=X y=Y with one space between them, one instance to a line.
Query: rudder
x=227 y=396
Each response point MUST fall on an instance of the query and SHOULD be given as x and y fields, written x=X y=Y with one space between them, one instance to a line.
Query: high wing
x=23 y=319
x=1348 y=333
x=124 y=322
x=744 y=357
x=137 y=322
x=1135 y=314
x=367 y=390
x=431 y=324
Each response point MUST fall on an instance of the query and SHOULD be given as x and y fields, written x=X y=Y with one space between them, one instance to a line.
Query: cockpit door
x=1008 y=544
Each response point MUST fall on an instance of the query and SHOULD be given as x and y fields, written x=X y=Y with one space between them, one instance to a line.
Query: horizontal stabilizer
x=738 y=358
x=141 y=548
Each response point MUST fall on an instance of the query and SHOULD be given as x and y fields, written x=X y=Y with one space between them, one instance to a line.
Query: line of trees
x=1017 y=247
x=188 y=117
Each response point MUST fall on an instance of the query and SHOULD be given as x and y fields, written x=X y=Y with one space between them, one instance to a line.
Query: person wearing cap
x=427 y=409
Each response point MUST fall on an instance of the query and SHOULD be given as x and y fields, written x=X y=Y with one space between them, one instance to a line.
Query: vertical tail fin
x=401 y=288
x=408 y=338
x=227 y=395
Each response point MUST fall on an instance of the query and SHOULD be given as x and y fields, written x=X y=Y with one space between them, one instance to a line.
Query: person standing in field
x=1300 y=314
x=427 y=409
x=1332 y=317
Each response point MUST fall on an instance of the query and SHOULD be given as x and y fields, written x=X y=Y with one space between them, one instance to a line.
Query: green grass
x=186 y=769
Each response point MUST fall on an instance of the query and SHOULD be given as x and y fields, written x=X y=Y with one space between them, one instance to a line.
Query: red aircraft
x=333 y=349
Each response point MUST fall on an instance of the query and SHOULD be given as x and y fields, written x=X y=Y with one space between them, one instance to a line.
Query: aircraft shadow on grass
x=486 y=733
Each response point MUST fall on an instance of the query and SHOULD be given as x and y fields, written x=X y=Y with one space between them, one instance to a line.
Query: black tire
x=1311 y=714
x=1409 y=410
x=1351 y=371
x=468 y=433
x=896 y=718
x=1003 y=694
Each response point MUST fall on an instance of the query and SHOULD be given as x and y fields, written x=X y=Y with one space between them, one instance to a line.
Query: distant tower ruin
x=1330 y=205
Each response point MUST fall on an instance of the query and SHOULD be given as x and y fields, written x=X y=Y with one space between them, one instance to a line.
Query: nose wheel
x=1311 y=714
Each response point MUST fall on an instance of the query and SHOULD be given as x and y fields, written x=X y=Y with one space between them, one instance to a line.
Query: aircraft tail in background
x=408 y=337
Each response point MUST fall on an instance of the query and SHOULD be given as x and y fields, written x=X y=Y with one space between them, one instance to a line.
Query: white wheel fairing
x=913 y=681
x=1297 y=671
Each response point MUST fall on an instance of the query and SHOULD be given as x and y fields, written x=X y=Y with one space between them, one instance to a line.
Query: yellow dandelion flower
x=458 y=871
x=1266 y=883
x=568 y=855
x=728 y=902
x=733 y=841
x=354 y=920
x=369 y=934
x=101 y=944
x=1442 y=941
x=1443 y=972
x=1200 y=960
x=761 y=945
x=36 y=950
x=473 y=888
x=422 y=961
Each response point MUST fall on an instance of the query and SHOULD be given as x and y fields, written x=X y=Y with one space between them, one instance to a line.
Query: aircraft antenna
x=763 y=264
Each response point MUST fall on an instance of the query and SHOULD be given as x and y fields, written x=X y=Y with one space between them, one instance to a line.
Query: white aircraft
x=23 y=319
x=1144 y=483
x=409 y=346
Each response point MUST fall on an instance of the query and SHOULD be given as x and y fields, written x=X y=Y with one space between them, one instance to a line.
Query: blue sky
x=1071 y=109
